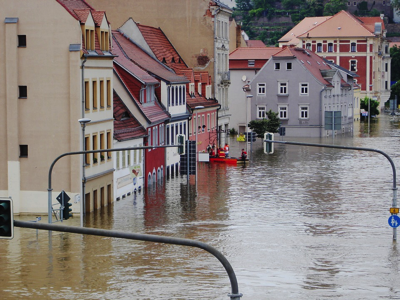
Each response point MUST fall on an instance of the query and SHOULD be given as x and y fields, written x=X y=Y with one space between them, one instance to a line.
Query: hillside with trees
x=269 y=20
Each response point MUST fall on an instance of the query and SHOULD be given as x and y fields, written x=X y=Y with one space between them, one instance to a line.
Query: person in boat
x=226 y=150
x=212 y=151
x=243 y=155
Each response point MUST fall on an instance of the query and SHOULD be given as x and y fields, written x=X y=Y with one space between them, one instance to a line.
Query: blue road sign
x=394 y=221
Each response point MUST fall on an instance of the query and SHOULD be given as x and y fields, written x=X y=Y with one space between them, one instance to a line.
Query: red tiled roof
x=71 y=5
x=311 y=61
x=125 y=125
x=255 y=44
x=98 y=17
x=167 y=54
x=153 y=112
x=161 y=46
x=146 y=62
x=82 y=14
x=253 y=53
x=343 y=24
x=131 y=67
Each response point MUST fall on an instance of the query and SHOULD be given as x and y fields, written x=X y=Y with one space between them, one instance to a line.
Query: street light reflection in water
x=303 y=223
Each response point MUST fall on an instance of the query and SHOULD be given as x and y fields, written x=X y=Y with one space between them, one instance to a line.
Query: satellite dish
x=244 y=78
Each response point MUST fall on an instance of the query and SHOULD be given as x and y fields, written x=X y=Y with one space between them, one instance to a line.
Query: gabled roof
x=343 y=24
x=311 y=61
x=161 y=46
x=146 y=62
x=253 y=53
x=255 y=43
x=72 y=5
x=154 y=113
x=126 y=126
x=305 y=25
x=130 y=67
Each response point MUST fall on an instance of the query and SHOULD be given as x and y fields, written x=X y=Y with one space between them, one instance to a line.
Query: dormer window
x=89 y=39
x=191 y=88
x=199 y=88
x=125 y=116
x=104 y=40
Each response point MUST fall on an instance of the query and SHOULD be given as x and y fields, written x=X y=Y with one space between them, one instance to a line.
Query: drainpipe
x=320 y=111
x=83 y=141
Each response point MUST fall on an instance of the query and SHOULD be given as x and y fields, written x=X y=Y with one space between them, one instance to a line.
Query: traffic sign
x=60 y=197
x=394 y=221
x=394 y=210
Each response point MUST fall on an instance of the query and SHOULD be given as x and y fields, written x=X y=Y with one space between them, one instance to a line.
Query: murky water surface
x=303 y=223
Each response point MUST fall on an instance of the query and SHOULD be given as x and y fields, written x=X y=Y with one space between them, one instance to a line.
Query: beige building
x=200 y=30
x=55 y=68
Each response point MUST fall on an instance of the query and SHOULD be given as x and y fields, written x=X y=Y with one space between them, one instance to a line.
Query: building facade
x=44 y=91
x=306 y=93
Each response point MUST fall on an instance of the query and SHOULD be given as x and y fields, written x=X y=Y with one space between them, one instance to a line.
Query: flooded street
x=303 y=223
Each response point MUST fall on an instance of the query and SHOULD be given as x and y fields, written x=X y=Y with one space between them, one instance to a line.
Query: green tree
x=265 y=125
x=243 y=5
x=334 y=6
x=395 y=63
x=374 y=104
x=395 y=91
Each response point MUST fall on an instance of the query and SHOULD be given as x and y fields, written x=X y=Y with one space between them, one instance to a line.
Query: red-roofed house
x=56 y=68
x=244 y=63
x=358 y=44
x=306 y=91
x=197 y=91
x=143 y=82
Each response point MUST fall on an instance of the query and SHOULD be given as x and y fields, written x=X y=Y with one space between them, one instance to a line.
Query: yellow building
x=55 y=68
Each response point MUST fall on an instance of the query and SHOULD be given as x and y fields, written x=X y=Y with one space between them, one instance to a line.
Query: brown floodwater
x=303 y=223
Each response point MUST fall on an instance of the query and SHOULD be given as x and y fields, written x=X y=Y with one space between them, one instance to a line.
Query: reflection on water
x=303 y=223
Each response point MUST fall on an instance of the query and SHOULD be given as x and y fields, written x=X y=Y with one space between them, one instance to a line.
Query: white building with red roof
x=312 y=97
x=357 y=44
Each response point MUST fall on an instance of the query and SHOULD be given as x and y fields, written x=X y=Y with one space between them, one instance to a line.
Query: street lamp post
x=83 y=122
x=247 y=122
x=197 y=129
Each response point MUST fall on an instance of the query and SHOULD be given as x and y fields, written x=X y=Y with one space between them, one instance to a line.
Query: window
x=22 y=91
x=319 y=47
x=353 y=65
x=353 y=47
x=108 y=93
x=101 y=93
x=330 y=47
x=149 y=138
x=251 y=63
x=23 y=150
x=172 y=135
x=102 y=146
x=355 y=3
x=87 y=97
x=308 y=46
x=94 y=93
x=21 y=40
x=87 y=148
x=288 y=66
x=123 y=154
x=108 y=144
x=303 y=112
x=283 y=111
x=386 y=67
x=277 y=66
x=261 y=112
x=208 y=122
x=261 y=88
x=386 y=85
x=282 y=88
x=94 y=143
x=168 y=140
x=303 y=89
x=387 y=49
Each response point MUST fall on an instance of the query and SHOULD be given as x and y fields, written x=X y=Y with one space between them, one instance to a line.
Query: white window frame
x=351 y=47
x=283 y=88
x=261 y=88
x=355 y=67
x=319 y=47
x=251 y=63
x=283 y=112
x=261 y=112
x=304 y=111
x=330 y=47
x=289 y=66
x=277 y=66
x=304 y=88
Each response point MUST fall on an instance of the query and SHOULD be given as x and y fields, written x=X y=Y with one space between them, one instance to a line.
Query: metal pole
x=83 y=158
x=369 y=113
x=235 y=295
x=394 y=188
